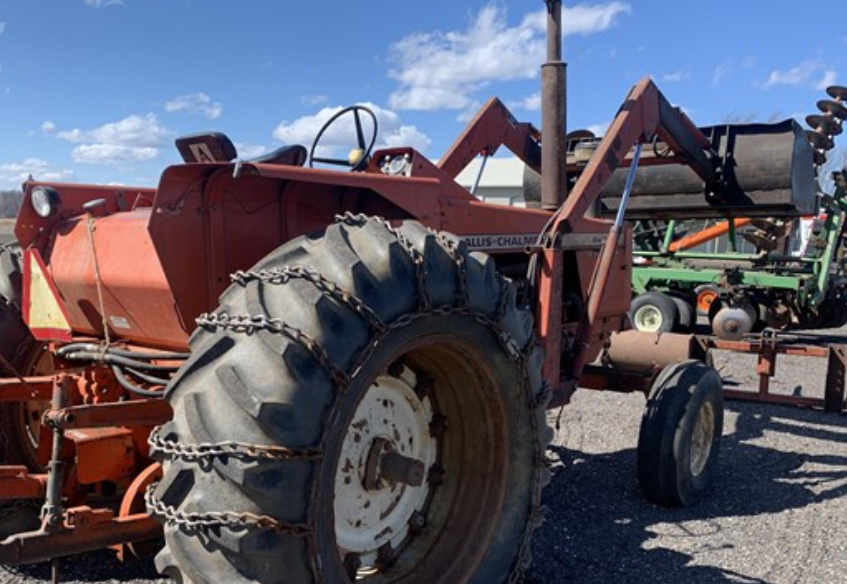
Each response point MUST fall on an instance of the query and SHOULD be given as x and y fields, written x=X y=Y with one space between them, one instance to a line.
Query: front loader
x=299 y=375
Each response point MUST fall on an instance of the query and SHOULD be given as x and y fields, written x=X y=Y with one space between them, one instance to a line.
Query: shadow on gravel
x=600 y=530
x=94 y=567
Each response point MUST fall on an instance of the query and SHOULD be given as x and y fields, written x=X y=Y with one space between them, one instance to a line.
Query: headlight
x=44 y=201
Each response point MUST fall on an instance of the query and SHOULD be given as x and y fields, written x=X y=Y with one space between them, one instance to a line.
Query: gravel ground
x=774 y=516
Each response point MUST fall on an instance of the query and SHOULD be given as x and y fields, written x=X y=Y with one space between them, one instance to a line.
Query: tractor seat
x=211 y=147
x=295 y=155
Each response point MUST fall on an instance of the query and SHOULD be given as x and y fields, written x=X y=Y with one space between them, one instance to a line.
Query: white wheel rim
x=702 y=438
x=648 y=318
x=366 y=520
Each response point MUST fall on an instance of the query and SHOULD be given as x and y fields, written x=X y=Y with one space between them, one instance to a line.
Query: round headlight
x=44 y=201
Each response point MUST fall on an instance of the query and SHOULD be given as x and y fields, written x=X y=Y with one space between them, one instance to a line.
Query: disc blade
x=838 y=92
x=835 y=108
x=819 y=141
x=826 y=124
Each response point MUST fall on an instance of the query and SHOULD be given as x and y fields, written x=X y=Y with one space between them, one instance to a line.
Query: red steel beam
x=83 y=530
x=141 y=412
x=26 y=389
x=17 y=483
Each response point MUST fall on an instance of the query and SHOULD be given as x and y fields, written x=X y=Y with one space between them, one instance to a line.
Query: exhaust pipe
x=554 y=184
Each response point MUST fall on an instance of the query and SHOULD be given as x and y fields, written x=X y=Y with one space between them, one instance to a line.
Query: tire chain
x=231 y=519
x=250 y=324
x=286 y=273
x=242 y=450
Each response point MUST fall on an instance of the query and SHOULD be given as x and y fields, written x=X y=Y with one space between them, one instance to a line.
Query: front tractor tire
x=679 y=442
x=365 y=406
x=21 y=432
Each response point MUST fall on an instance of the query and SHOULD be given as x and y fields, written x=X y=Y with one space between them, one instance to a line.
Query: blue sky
x=96 y=90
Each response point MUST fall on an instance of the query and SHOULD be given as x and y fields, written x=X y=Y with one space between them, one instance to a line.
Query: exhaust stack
x=554 y=184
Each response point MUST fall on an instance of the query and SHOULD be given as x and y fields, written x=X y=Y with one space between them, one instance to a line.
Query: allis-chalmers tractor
x=300 y=375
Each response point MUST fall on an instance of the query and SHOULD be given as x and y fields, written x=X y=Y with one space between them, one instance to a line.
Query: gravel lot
x=774 y=517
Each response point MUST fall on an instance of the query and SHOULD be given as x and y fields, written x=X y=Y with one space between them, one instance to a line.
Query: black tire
x=478 y=367
x=22 y=351
x=657 y=307
x=676 y=464
x=687 y=313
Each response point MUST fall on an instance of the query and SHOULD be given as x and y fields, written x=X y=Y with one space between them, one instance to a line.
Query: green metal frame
x=809 y=277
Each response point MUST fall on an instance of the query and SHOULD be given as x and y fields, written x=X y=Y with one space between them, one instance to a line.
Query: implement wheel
x=680 y=434
x=365 y=406
x=705 y=295
x=654 y=312
x=20 y=423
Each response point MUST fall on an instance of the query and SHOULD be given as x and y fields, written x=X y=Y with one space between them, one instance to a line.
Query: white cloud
x=530 y=103
x=676 y=76
x=2 y=27
x=47 y=126
x=314 y=99
x=804 y=74
x=13 y=174
x=830 y=77
x=442 y=70
x=132 y=139
x=392 y=131
x=112 y=154
x=199 y=104
x=248 y=151
x=599 y=129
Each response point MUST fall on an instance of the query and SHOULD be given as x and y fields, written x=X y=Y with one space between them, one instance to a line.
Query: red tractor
x=309 y=375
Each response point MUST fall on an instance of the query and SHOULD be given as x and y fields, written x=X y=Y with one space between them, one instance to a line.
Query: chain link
x=286 y=273
x=242 y=450
x=249 y=324
x=229 y=519
x=252 y=323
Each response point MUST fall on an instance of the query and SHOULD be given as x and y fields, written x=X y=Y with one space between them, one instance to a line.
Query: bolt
x=438 y=426
x=352 y=565
x=417 y=522
x=385 y=556
x=435 y=476
x=396 y=368
x=423 y=388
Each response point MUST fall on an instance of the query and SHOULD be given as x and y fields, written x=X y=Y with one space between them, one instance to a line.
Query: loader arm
x=644 y=114
x=493 y=126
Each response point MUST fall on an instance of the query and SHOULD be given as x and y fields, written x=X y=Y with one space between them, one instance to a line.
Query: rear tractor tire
x=654 y=312
x=20 y=423
x=370 y=409
x=679 y=442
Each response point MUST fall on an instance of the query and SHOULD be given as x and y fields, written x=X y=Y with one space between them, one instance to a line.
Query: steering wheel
x=363 y=152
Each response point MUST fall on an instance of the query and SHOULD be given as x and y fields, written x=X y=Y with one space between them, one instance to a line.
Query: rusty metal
x=79 y=530
x=141 y=412
x=641 y=351
x=767 y=349
x=133 y=504
x=102 y=454
x=16 y=482
x=554 y=180
x=26 y=389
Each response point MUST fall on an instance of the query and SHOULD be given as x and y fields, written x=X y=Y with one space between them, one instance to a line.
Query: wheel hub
x=701 y=438
x=380 y=484
x=648 y=318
